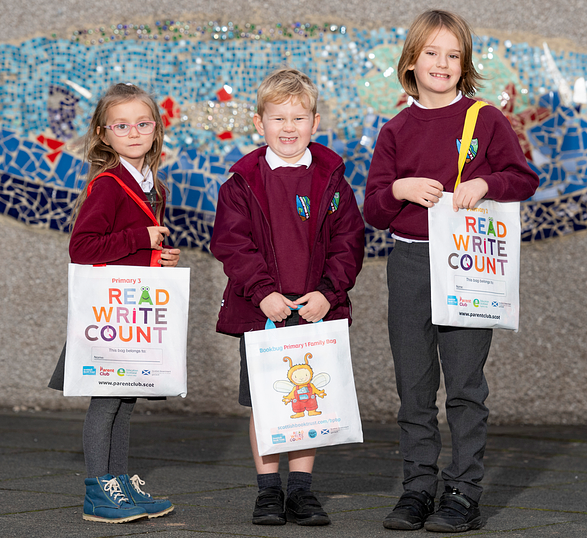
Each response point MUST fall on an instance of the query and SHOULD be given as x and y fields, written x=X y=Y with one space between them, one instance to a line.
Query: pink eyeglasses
x=123 y=129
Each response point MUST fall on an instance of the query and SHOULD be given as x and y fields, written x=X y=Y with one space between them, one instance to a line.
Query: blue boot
x=105 y=501
x=132 y=489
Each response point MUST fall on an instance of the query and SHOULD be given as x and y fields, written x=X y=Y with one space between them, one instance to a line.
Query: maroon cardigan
x=111 y=228
x=242 y=241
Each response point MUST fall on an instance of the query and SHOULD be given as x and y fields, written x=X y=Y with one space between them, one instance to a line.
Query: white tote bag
x=126 y=331
x=474 y=256
x=302 y=387
x=475 y=264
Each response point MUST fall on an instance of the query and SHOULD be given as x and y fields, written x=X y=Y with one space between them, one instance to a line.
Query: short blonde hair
x=418 y=35
x=285 y=84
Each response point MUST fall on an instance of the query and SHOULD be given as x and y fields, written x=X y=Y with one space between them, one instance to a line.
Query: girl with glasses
x=124 y=140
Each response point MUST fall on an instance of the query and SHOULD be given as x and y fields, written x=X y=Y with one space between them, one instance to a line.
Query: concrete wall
x=516 y=17
x=535 y=376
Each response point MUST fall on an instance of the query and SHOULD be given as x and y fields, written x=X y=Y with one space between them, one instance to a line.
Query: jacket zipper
x=318 y=227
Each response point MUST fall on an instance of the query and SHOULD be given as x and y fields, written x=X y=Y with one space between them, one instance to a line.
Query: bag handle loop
x=269 y=324
x=467 y=137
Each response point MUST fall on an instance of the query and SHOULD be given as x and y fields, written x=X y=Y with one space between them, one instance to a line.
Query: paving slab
x=535 y=482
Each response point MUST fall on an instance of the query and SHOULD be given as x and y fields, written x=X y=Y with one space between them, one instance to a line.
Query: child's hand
x=276 y=307
x=169 y=257
x=420 y=190
x=467 y=194
x=157 y=235
x=315 y=308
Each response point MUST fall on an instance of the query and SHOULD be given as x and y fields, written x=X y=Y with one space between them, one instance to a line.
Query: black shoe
x=456 y=513
x=303 y=508
x=410 y=512
x=269 y=507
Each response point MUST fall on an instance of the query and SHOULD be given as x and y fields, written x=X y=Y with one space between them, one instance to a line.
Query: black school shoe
x=269 y=507
x=410 y=512
x=456 y=513
x=303 y=508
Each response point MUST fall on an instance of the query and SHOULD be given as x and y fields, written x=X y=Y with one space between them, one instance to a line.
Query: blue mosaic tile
x=51 y=84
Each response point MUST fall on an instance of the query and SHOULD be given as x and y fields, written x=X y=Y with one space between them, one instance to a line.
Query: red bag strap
x=155 y=254
x=142 y=204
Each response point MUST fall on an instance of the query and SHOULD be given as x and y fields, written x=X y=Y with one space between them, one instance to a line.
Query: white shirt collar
x=145 y=180
x=417 y=103
x=274 y=161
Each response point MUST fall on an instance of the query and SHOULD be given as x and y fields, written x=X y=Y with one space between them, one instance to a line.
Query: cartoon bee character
x=302 y=393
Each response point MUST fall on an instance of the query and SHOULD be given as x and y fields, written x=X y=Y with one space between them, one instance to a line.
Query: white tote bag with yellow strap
x=474 y=256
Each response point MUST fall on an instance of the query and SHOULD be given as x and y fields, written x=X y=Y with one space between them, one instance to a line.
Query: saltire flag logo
x=473 y=149
x=303 y=205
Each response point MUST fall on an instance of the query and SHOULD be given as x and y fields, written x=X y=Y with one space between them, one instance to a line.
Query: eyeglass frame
x=130 y=127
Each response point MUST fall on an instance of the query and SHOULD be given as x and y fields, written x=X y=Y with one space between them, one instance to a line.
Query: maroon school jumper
x=423 y=143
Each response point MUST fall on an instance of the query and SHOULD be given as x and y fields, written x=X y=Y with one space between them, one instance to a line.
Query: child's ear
x=102 y=135
x=258 y=121
x=316 y=123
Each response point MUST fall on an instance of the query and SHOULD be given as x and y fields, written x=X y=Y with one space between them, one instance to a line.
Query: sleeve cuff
x=261 y=293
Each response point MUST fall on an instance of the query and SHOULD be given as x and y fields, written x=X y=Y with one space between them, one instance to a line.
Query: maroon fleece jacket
x=243 y=242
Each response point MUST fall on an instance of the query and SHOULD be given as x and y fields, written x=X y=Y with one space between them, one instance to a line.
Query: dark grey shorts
x=244 y=392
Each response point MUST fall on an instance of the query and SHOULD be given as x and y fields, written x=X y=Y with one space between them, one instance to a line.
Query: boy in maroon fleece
x=415 y=159
x=290 y=234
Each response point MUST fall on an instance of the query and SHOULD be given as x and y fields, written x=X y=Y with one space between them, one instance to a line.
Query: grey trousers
x=107 y=436
x=415 y=345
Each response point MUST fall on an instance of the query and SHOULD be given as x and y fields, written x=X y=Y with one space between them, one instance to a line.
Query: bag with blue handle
x=310 y=401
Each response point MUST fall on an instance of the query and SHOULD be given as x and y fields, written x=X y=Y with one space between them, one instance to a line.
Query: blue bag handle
x=271 y=325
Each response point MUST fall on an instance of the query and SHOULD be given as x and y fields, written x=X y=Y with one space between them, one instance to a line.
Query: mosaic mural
x=205 y=77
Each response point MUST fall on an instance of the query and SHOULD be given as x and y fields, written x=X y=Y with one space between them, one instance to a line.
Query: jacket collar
x=326 y=161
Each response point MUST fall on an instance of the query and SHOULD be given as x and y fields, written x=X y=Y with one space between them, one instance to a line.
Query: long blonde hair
x=102 y=157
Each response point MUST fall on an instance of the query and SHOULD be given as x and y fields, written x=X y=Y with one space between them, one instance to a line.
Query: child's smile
x=288 y=128
x=438 y=69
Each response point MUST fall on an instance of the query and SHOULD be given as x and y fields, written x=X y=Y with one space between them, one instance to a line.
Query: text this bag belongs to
x=126 y=331
x=475 y=264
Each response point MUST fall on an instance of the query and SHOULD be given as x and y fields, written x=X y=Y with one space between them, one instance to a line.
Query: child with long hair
x=125 y=139
x=415 y=159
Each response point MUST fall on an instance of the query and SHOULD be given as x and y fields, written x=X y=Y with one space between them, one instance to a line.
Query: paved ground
x=535 y=486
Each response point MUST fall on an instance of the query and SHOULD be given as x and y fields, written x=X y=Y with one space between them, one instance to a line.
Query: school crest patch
x=303 y=205
x=473 y=149
x=334 y=203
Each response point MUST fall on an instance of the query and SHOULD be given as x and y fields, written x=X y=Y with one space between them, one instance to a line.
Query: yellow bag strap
x=468 y=129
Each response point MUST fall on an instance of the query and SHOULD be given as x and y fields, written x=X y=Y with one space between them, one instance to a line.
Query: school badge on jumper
x=473 y=148
x=303 y=205
x=334 y=203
